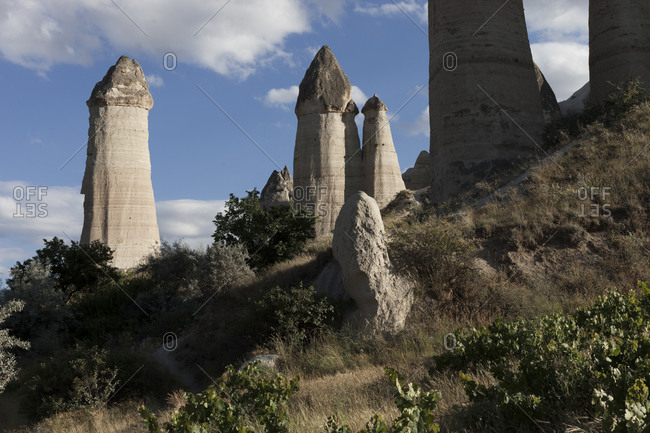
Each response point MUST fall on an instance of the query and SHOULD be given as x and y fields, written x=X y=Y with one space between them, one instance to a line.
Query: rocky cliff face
x=383 y=177
x=619 y=44
x=324 y=140
x=119 y=207
x=482 y=81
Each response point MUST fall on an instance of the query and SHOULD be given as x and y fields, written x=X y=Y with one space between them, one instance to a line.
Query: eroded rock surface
x=119 y=206
x=384 y=299
x=619 y=44
x=421 y=174
x=483 y=90
x=550 y=106
x=278 y=190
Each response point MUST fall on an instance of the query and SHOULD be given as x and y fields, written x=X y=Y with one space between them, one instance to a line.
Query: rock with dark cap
x=119 y=206
x=327 y=152
x=325 y=87
x=124 y=84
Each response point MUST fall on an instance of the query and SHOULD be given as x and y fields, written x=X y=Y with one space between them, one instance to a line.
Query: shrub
x=434 y=254
x=594 y=362
x=239 y=402
x=270 y=235
x=296 y=314
x=46 y=318
x=416 y=411
x=191 y=273
x=74 y=268
x=8 y=361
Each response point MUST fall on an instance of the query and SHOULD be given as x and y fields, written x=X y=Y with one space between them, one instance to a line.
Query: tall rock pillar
x=383 y=177
x=619 y=44
x=325 y=127
x=119 y=207
x=480 y=73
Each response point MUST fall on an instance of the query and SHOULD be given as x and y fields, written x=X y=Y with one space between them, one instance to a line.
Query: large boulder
x=384 y=299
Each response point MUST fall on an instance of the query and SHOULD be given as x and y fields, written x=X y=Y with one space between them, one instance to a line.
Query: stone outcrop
x=577 y=102
x=383 y=177
x=421 y=174
x=482 y=80
x=550 y=107
x=619 y=44
x=278 y=190
x=119 y=207
x=383 y=298
x=324 y=154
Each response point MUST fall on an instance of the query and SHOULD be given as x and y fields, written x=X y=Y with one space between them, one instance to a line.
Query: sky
x=224 y=77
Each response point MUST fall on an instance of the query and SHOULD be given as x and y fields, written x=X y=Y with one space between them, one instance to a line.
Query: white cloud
x=418 y=11
x=20 y=237
x=558 y=20
x=286 y=97
x=154 y=80
x=190 y=220
x=281 y=97
x=564 y=64
x=358 y=96
x=419 y=125
x=241 y=37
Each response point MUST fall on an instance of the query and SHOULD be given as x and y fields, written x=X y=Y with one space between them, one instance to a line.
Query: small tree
x=75 y=268
x=270 y=235
x=8 y=362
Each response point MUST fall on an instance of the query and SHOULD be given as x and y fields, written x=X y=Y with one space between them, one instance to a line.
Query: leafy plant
x=594 y=362
x=239 y=402
x=75 y=268
x=295 y=314
x=270 y=235
x=8 y=371
x=416 y=411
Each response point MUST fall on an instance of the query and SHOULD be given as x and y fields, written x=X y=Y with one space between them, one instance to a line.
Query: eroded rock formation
x=383 y=177
x=421 y=174
x=577 y=102
x=278 y=190
x=119 y=207
x=383 y=298
x=550 y=106
x=482 y=80
x=324 y=140
x=619 y=44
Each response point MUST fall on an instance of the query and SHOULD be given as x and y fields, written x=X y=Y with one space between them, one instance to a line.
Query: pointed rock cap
x=123 y=84
x=374 y=104
x=352 y=108
x=325 y=87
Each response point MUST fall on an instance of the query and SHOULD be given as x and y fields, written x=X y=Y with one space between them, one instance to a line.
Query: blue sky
x=248 y=57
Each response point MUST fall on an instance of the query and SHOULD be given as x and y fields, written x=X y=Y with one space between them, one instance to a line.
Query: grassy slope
x=543 y=257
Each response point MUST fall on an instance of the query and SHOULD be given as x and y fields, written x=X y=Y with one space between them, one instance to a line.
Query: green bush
x=593 y=363
x=270 y=235
x=88 y=376
x=239 y=402
x=296 y=314
x=416 y=411
x=435 y=254
x=8 y=360
x=75 y=268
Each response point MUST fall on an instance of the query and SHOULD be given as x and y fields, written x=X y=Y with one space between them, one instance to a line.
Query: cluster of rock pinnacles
x=488 y=108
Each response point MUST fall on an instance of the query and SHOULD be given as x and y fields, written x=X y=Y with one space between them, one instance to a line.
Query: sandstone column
x=619 y=44
x=474 y=45
x=383 y=177
x=319 y=161
x=119 y=207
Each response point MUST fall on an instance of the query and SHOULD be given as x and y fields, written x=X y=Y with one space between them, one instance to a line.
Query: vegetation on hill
x=528 y=315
